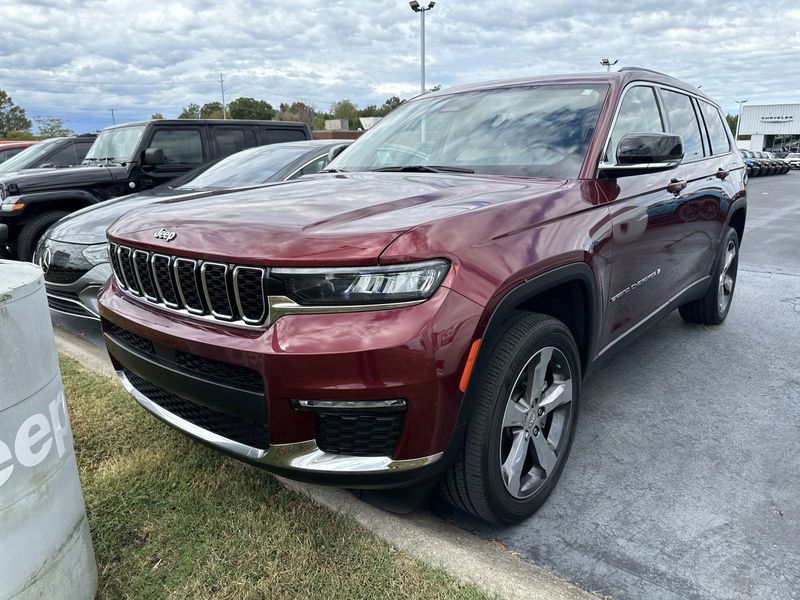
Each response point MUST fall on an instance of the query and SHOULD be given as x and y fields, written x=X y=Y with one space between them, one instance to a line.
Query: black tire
x=33 y=230
x=709 y=310
x=474 y=482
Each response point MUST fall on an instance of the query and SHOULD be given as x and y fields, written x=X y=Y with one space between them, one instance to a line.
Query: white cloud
x=78 y=58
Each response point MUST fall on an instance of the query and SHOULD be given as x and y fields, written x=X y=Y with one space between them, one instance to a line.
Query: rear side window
x=276 y=136
x=180 y=146
x=230 y=140
x=683 y=122
x=313 y=167
x=638 y=114
x=717 y=134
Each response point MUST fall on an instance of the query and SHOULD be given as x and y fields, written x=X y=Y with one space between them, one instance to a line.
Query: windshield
x=28 y=156
x=249 y=167
x=115 y=144
x=793 y=155
x=533 y=131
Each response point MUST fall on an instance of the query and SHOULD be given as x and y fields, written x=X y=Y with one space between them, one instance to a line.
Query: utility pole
x=113 y=118
x=415 y=6
x=222 y=89
x=738 y=119
x=608 y=64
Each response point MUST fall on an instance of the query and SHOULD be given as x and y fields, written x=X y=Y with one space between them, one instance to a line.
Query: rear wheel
x=521 y=430
x=712 y=309
x=33 y=230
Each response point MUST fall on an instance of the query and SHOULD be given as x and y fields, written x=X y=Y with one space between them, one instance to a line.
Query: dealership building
x=771 y=127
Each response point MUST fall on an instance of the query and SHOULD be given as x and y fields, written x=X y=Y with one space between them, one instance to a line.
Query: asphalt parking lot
x=683 y=480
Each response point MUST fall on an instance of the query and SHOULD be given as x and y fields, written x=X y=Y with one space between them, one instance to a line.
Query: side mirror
x=336 y=151
x=153 y=157
x=639 y=153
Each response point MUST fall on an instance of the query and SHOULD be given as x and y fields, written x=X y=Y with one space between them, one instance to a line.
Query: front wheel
x=33 y=230
x=521 y=430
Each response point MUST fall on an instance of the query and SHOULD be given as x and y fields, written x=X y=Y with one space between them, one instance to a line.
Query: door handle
x=676 y=186
x=722 y=173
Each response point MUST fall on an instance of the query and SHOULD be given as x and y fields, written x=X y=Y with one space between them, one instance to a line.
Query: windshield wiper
x=423 y=169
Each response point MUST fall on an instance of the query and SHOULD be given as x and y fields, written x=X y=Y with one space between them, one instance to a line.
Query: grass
x=171 y=518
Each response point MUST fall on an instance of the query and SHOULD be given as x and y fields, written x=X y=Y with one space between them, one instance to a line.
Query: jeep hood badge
x=163 y=234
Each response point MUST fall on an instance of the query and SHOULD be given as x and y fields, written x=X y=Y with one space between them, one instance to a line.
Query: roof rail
x=643 y=69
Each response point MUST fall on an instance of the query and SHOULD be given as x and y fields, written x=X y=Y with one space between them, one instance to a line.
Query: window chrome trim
x=313 y=160
x=301 y=456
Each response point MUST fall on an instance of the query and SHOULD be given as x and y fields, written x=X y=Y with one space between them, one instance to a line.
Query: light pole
x=738 y=120
x=113 y=118
x=416 y=7
x=608 y=64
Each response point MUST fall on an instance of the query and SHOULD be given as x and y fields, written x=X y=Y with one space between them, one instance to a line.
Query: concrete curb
x=465 y=557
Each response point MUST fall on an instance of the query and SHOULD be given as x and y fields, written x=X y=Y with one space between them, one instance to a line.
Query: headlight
x=362 y=285
x=96 y=253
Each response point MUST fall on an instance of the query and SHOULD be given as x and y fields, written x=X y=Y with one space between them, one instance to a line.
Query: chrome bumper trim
x=302 y=456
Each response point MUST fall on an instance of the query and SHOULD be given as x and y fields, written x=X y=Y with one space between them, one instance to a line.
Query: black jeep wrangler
x=124 y=159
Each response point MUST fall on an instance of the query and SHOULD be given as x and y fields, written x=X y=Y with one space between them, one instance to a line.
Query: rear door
x=700 y=206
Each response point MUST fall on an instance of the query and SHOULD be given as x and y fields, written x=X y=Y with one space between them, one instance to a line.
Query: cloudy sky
x=75 y=59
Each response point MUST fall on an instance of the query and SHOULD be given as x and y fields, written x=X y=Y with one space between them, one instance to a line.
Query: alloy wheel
x=727 y=277
x=536 y=422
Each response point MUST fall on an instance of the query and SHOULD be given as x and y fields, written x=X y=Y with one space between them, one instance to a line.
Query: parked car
x=12 y=148
x=52 y=152
x=426 y=311
x=74 y=254
x=124 y=159
x=781 y=167
x=793 y=160
x=751 y=163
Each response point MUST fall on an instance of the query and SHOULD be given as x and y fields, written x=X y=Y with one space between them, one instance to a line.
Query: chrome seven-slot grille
x=220 y=291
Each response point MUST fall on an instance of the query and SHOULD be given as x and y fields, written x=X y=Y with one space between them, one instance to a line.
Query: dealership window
x=638 y=114
x=782 y=143
x=683 y=122
x=717 y=134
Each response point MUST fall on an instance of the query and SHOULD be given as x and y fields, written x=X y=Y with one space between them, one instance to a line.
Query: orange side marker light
x=473 y=352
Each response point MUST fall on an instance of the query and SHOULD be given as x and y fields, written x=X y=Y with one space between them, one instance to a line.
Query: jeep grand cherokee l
x=427 y=310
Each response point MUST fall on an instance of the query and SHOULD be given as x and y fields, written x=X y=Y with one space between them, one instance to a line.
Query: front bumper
x=79 y=298
x=415 y=354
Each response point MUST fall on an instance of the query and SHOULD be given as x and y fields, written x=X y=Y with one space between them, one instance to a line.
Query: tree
x=250 y=108
x=391 y=104
x=157 y=117
x=211 y=110
x=51 y=127
x=190 y=111
x=297 y=111
x=12 y=117
x=732 y=120
x=345 y=109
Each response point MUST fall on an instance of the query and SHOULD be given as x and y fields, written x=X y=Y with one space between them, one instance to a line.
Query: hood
x=32 y=180
x=89 y=225
x=346 y=218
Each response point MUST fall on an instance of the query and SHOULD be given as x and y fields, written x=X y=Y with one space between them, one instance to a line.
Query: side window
x=81 y=148
x=63 y=157
x=720 y=142
x=314 y=167
x=683 y=122
x=180 y=146
x=638 y=114
x=276 y=136
x=229 y=140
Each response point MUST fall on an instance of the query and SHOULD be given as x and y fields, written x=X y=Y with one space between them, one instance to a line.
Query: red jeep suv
x=426 y=310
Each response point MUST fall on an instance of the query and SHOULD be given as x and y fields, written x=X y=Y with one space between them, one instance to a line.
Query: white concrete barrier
x=45 y=548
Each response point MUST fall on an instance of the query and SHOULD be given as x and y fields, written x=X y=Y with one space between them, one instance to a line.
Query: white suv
x=793 y=158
